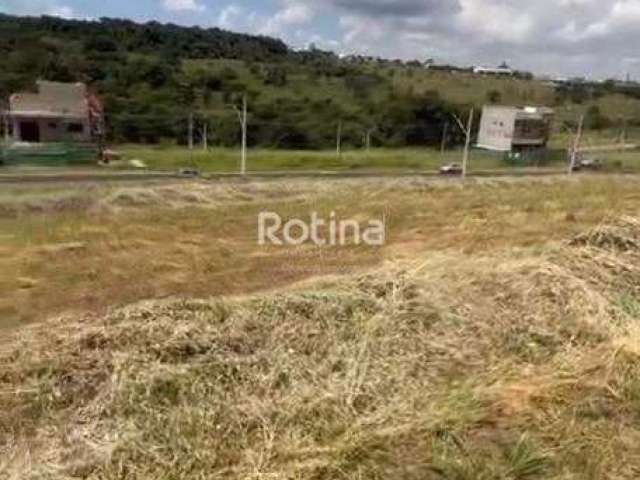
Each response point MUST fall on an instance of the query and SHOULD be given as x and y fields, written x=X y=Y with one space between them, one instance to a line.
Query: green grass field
x=171 y=158
x=228 y=160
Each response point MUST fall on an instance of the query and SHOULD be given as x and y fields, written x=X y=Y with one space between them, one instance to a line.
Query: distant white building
x=502 y=71
x=507 y=129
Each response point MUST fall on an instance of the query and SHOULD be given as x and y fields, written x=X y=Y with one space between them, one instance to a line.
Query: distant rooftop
x=502 y=69
x=522 y=108
x=52 y=99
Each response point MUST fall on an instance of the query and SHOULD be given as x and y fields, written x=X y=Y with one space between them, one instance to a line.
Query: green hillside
x=152 y=77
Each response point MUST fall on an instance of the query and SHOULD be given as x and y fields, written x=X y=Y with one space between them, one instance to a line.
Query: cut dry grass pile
x=118 y=198
x=182 y=196
x=514 y=365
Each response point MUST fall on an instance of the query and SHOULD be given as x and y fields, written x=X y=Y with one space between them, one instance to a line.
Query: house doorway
x=30 y=132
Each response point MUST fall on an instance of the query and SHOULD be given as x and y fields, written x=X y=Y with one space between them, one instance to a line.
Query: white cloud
x=63 y=11
x=37 y=8
x=563 y=36
x=183 y=5
x=229 y=15
x=285 y=23
x=237 y=18
x=626 y=11
x=556 y=36
x=294 y=15
x=290 y=16
x=497 y=21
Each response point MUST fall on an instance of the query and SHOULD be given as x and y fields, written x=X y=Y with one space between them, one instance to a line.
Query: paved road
x=51 y=176
x=81 y=176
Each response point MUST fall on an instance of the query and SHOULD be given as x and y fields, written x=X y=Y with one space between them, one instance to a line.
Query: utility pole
x=190 y=128
x=4 y=112
x=5 y=127
x=243 y=166
x=465 y=157
x=443 y=145
x=101 y=135
x=205 y=138
x=576 y=145
x=367 y=141
x=339 y=140
x=242 y=118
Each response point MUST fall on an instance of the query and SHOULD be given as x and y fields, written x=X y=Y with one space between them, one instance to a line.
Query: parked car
x=584 y=162
x=189 y=172
x=451 y=169
x=591 y=164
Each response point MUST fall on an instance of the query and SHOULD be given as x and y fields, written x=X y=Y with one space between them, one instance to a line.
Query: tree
x=275 y=76
x=595 y=120
x=102 y=44
x=494 y=96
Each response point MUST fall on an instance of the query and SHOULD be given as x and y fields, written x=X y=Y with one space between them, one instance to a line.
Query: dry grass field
x=495 y=336
x=87 y=248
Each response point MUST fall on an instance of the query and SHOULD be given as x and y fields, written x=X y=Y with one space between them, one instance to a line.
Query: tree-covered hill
x=72 y=49
x=153 y=76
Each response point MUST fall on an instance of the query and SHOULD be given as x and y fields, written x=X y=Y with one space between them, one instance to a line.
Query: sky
x=592 y=38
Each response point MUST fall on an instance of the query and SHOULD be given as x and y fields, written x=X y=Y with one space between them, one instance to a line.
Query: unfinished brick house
x=55 y=112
